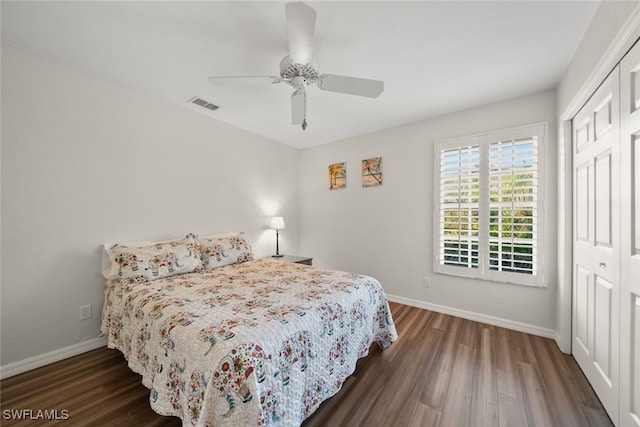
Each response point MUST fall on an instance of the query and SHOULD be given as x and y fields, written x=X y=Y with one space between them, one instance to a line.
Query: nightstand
x=292 y=258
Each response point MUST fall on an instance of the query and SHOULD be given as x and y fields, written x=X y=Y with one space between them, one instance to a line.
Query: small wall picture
x=337 y=176
x=372 y=172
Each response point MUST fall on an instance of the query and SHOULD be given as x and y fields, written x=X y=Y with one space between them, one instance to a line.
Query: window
x=489 y=206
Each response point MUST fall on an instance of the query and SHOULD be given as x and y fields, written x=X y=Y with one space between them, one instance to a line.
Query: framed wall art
x=372 y=172
x=337 y=176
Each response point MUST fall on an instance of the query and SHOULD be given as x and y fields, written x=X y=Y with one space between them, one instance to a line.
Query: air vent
x=205 y=104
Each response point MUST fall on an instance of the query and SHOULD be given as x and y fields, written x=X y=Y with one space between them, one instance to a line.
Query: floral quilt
x=261 y=342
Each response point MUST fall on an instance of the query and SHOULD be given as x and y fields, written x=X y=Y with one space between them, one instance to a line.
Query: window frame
x=484 y=142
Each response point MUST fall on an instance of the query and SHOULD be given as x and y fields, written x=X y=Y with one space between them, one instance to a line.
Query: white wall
x=387 y=231
x=86 y=162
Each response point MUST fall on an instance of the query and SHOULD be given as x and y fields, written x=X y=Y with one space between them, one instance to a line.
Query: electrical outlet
x=85 y=312
x=426 y=282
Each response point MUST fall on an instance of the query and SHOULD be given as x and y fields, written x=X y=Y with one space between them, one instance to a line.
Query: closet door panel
x=596 y=245
x=603 y=199
x=582 y=202
x=582 y=309
x=603 y=326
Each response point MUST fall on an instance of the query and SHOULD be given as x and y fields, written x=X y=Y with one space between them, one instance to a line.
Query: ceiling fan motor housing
x=290 y=70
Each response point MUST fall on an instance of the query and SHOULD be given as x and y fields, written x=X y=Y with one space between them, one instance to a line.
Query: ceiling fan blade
x=243 y=80
x=298 y=107
x=301 y=27
x=351 y=85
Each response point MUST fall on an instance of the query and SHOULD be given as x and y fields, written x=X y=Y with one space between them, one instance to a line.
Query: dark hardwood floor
x=443 y=371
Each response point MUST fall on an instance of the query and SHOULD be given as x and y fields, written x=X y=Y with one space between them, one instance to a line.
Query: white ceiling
x=435 y=57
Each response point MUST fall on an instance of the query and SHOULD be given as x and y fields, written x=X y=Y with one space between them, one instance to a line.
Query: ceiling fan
x=299 y=69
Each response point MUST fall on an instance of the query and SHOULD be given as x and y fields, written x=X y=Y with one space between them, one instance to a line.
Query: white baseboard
x=478 y=317
x=25 y=365
x=560 y=343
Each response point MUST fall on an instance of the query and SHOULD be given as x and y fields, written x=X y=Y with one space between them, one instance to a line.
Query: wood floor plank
x=435 y=391
x=442 y=321
x=484 y=405
x=397 y=407
x=457 y=406
x=353 y=403
x=469 y=333
x=419 y=327
x=554 y=376
x=523 y=352
x=511 y=412
x=424 y=416
x=508 y=378
x=534 y=396
x=581 y=390
x=443 y=371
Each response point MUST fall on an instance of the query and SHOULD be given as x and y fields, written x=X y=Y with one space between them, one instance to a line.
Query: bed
x=221 y=338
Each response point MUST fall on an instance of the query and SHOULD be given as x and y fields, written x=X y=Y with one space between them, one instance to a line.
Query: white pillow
x=218 y=250
x=152 y=260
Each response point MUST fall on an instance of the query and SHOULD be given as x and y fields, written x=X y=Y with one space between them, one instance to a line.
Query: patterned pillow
x=224 y=249
x=153 y=260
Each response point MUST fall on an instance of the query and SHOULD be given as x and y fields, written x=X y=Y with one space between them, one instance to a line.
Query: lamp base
x=277 y=256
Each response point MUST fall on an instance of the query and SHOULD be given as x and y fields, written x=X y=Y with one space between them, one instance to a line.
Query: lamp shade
x=277 y=223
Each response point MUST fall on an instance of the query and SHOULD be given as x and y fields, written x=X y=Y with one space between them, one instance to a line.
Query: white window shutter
x=459 y=226
x=488 y=191
x=513 y=206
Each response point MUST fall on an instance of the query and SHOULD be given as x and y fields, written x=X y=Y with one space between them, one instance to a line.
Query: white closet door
x=630 y=240
x=596 y=244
